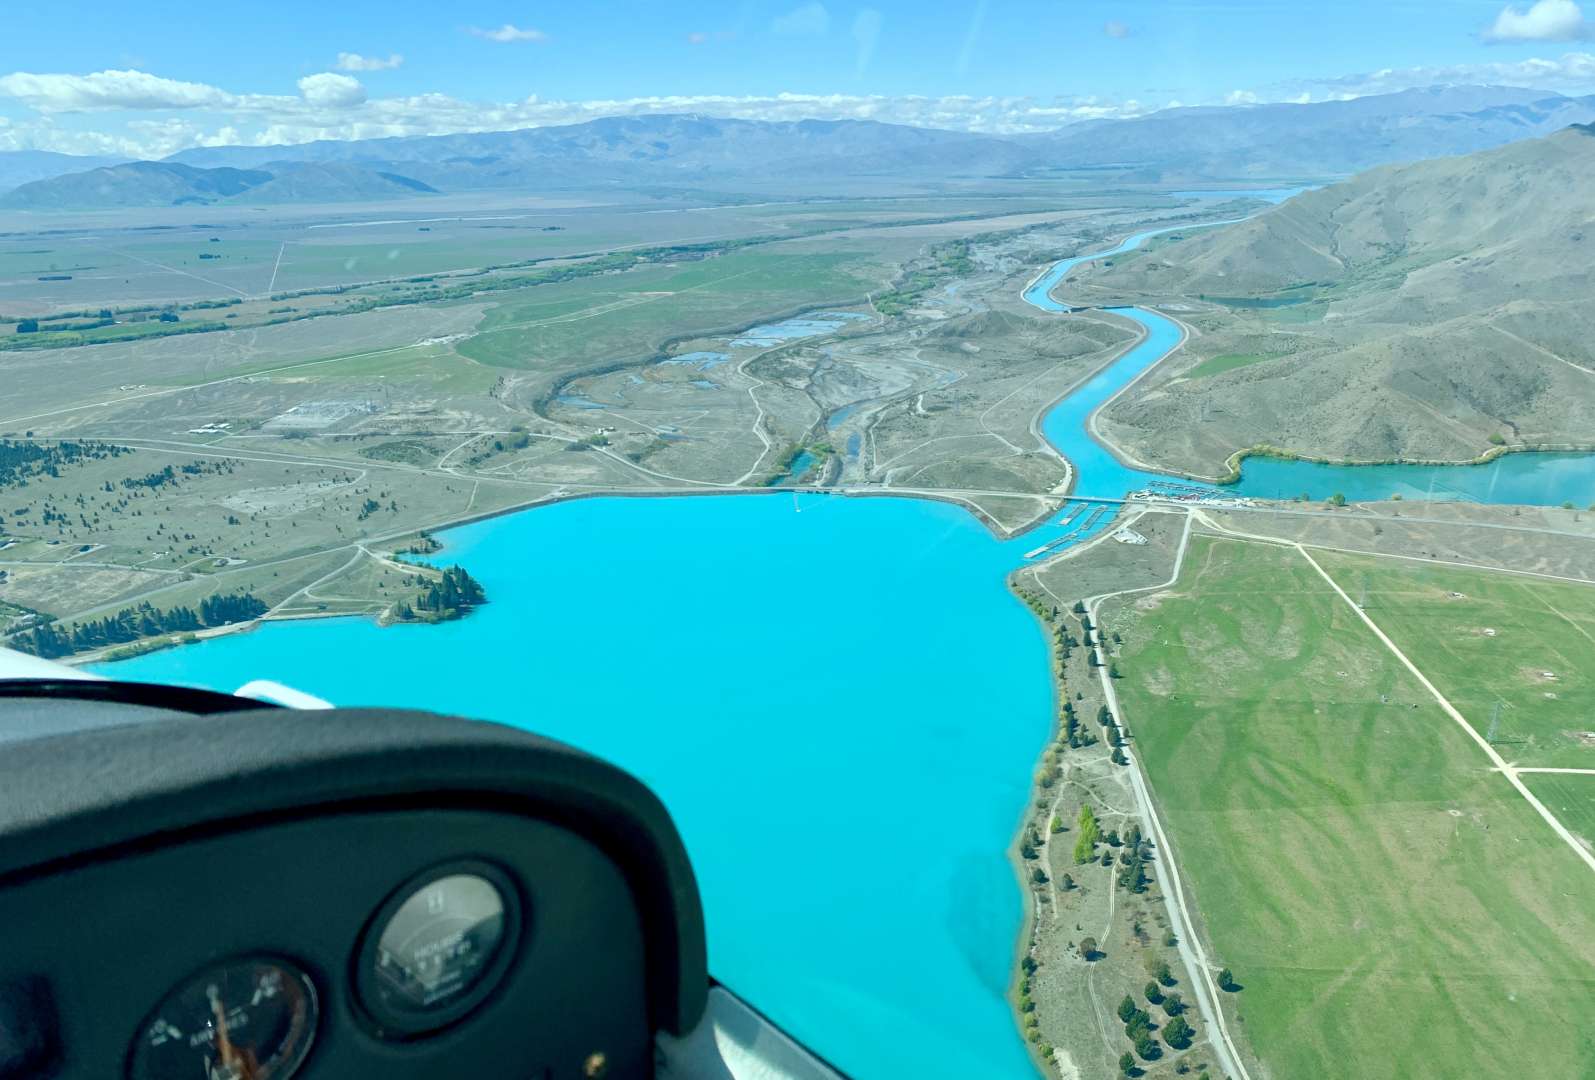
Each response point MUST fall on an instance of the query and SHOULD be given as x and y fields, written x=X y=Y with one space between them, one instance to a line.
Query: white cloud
x=1574 y=72
x=508 y=33
x=157 y=138
x=138 y=114
x=349 y=61
x=1547 y=20
x=328 y=111
x=866 y=32
x=109 y=90
x=1115 y=29
x=808 y=19
x=332 y=90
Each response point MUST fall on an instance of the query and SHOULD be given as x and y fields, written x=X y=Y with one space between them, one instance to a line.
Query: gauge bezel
x=400 y=1024
x=293 y=968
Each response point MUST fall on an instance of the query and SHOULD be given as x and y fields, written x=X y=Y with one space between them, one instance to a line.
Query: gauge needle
x=224 y=1042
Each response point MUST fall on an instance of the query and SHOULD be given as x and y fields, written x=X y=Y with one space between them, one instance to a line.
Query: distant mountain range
x=1177 y=145
x=654 y=149
x=18 y=167
x=1326 y=139
x=170 y=183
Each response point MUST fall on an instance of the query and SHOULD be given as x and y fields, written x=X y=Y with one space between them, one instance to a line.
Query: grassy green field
x=624 y=315
x=1571 y=798
x=439 y=368
x=122 y=331
x=1390 y=906
x=1439 y=615
x=1217 y=365
x=313 y=262
x=1299 y=315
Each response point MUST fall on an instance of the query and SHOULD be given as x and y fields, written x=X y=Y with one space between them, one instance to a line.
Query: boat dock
x=1097 y=513
x=1073 y=512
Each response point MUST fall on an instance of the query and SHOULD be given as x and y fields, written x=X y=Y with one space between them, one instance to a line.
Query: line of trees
x=142 y=621
x=1112 y=733
x=1132 y=860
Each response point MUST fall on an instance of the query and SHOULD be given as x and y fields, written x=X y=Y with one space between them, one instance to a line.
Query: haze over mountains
x=1176 y=145
x=1319 y=140
x=648 y=149
x=167 y=183
x=1414 y=311
x=18 y=167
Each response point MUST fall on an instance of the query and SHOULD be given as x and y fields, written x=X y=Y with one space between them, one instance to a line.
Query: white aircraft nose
x=278 y=694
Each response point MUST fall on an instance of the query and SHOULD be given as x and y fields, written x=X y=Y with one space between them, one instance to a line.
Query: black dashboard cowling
x=164 y=786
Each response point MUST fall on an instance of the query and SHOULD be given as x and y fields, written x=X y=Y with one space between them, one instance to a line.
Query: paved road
x=1203 y=981
x=1543 y=769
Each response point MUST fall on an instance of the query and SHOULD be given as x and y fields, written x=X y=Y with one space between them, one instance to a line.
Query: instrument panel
x=273 y=954
x=407 y=927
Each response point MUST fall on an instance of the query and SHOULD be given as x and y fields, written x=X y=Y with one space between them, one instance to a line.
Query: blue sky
x=95 y=77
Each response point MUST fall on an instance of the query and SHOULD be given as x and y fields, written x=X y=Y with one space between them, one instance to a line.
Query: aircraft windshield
x=1084 y=513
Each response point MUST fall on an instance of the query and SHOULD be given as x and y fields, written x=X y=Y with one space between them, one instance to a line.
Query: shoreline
x=998 y=532
x=1038 y=422
x=1235 y=461
x=1016 y=863
x=1093 y=430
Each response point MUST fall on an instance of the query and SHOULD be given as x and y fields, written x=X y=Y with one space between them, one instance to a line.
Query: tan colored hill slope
x=1411 y=312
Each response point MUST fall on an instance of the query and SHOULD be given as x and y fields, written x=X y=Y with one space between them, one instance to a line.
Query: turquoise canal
x=1544 y=479
x=837 y=698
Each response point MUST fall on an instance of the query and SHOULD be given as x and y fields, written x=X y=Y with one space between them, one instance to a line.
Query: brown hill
x=1411 y=312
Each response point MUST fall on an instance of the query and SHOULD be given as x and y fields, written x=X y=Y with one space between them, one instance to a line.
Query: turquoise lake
x=840 y=706
x=837 y=698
